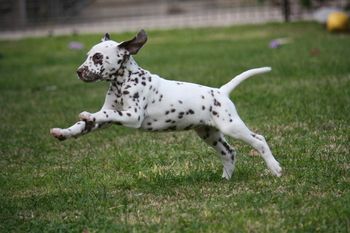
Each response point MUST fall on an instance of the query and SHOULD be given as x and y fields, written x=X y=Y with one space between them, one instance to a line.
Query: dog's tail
x=228 y=87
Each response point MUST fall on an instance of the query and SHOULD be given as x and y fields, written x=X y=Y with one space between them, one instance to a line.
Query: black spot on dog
x=190 y=111
x=216 y=103
x=181 y=114
x=254 y=136
x=227 y=147
x=136 y=95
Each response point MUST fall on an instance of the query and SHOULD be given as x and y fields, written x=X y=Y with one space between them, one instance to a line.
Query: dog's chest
x=130 y=91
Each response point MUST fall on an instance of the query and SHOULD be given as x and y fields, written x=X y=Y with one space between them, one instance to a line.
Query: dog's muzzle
x=86 y=75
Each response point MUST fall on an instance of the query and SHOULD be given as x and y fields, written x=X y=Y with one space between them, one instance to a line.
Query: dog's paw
x=275 y=168
x=227 y=172
x=57 y=133
x=86 y=116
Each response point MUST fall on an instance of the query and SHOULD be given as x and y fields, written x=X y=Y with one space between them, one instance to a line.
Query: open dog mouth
x=86 y=75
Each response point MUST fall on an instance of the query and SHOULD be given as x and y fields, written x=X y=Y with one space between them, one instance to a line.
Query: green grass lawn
x=125 y=180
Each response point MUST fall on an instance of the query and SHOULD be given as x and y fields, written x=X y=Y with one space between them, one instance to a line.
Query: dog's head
x=105 y=59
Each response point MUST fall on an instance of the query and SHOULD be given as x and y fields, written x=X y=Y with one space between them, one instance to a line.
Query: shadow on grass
x=165 y=184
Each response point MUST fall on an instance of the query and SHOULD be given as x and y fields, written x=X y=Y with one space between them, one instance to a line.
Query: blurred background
x=27 y=18
x=125 y=180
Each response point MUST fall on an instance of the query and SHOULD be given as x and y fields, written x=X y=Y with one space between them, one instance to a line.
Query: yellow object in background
x=337 y=21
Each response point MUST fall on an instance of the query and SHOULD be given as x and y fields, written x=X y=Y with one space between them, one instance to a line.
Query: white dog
x=138 y=99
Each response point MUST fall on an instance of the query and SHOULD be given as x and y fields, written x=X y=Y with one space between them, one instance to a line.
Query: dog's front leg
x=130 y=118
x=76 y=130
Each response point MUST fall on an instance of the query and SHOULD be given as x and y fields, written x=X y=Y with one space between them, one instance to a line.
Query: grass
x=124 y=180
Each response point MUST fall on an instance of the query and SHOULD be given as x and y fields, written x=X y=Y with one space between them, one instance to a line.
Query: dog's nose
x=80 y=72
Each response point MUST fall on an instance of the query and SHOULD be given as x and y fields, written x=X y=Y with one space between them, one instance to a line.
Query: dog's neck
x=129 y=69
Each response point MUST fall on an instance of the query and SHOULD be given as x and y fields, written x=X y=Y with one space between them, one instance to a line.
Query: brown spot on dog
x=97 y=58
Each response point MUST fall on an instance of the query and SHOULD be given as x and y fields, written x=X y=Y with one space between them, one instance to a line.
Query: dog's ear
x=136 y=43
x=106 y=37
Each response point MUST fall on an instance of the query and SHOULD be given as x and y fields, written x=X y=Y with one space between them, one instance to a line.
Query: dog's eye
x=97 y=57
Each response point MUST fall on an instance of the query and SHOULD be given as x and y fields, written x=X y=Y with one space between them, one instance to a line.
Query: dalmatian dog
x=137 y=98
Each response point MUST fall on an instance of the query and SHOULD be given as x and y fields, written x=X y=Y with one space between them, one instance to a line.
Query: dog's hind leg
x=238 y=130
x=215 y=139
